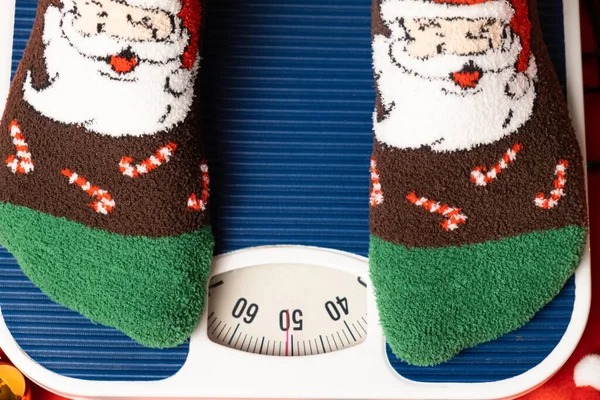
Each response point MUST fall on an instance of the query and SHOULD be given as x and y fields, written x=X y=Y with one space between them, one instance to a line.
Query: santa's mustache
x=444 y=66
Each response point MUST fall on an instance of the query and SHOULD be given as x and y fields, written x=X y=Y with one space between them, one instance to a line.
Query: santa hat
x=515 y=12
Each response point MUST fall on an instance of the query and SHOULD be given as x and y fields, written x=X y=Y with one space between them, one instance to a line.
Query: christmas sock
x=478 y=205
x=104 y=188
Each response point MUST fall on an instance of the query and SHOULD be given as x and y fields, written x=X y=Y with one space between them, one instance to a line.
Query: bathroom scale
x=288 y=96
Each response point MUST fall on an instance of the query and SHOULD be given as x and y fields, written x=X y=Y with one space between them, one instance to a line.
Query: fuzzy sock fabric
x=478 y=204
x=105 y=192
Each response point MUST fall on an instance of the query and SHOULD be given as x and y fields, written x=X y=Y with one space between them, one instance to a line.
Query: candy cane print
x=22 y=162
x=195 y=204
x=454 y=216
x=559 y=186
x=104 y=204
x=482 y=179
x=376 y=193
x=162 y=156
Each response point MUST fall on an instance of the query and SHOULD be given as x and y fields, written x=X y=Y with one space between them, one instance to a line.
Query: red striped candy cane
x=559 y=186
x=22 y=162
x=454 y=216
x=376 y=193
x=162 y=156
x=195 y=204
x=481 y=179
x=104 y=204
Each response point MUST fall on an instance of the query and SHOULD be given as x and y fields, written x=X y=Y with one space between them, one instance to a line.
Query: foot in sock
x=478 y=205
x=104 y=198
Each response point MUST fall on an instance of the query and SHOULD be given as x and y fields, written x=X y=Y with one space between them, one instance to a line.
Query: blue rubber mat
x=288 y=96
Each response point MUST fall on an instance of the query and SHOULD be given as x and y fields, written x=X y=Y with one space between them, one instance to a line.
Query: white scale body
x=301 y=322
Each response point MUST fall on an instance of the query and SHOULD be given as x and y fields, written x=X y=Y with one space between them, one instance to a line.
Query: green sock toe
x=152 y=289
x=435 y=302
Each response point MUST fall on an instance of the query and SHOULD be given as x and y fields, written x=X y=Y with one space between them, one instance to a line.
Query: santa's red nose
x=467 y=78
x=123 y=65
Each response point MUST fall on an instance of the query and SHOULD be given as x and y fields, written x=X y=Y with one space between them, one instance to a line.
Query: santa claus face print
x=448 y=77
x=115 y=67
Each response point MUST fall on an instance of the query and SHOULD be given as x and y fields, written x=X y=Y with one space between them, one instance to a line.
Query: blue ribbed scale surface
x=288 y=95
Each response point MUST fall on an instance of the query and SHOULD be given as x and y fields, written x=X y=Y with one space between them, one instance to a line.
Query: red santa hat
x=515 y=12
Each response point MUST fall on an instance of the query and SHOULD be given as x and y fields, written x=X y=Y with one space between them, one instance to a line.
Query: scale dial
x=287 y=310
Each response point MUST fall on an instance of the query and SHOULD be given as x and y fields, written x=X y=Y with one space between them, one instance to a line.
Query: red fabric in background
x=591 y=78
x=37 y=393
x=561 y=386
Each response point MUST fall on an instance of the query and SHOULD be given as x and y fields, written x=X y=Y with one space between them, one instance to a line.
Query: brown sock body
x=154 y=204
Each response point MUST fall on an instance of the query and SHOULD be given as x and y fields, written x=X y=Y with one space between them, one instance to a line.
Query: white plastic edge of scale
x=361 y=372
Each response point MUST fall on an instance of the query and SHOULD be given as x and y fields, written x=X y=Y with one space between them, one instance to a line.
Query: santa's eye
x=103 y=14
x=428 y=26
x=424 y=25
x=478 y=36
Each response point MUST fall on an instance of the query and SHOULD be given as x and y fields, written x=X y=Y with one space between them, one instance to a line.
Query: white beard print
x=425 y=107
x=85 y=90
